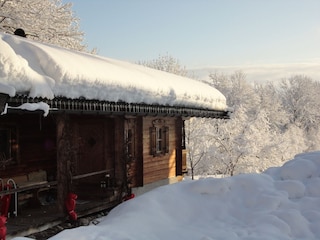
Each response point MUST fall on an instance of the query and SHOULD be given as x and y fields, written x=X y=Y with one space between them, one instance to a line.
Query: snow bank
x=282 y=203
x=47 y=71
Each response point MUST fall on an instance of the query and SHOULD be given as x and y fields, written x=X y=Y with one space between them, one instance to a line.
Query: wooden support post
x=179 y=146
x=139 y=155
x=119 y=154
x=64 y=156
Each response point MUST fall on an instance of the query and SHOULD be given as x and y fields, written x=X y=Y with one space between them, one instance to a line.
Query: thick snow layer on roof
x=7 y=90
x=47 y=71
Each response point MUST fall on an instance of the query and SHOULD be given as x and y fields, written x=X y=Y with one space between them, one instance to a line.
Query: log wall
x=160 y=167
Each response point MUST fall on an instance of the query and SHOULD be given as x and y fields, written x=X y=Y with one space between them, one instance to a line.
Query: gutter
x=83 y=106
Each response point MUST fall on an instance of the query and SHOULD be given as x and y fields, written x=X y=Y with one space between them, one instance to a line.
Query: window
x=159 y=138
x=8 y=146
x=183 y=136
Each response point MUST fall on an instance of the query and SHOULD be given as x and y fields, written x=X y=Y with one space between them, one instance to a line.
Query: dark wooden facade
x=88 y=154
x=98 y=150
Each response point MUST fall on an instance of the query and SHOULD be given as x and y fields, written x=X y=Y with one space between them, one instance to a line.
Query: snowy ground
x=282 y=204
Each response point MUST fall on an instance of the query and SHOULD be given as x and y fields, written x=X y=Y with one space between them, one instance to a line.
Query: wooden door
x=91 y=147
x=133 y=151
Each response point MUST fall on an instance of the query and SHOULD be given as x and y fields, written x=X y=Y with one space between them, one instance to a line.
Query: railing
x=7 y=190
x=90 y=174
x=14 y=185
x=43 y=184
x=30 y=186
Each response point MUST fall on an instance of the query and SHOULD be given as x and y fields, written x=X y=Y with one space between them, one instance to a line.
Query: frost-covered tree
x=249 y=141
x=291 y=142
x=238 y=145
x=166 y=63
x=232 y=146
x=236 y=89
x=47 y=21
x=301 y=100
x=269 y=125
x=197 y=148
x=271 y=102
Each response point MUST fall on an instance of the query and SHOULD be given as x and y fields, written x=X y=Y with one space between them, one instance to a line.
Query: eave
x=83 y=106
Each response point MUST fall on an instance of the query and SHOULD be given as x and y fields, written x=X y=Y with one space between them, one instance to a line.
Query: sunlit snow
x=280 y=204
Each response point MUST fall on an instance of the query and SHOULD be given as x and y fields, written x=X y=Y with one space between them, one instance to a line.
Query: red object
x=5 y=203
x=71 y=205
x=128 y=197
x=3 y=228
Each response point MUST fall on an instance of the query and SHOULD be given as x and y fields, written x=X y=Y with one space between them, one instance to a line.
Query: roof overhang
x=83 y=106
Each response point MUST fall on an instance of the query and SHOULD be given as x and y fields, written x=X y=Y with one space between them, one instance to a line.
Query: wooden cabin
x=99 y=149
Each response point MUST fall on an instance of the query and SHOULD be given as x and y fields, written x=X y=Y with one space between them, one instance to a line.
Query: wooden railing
x=45 y=184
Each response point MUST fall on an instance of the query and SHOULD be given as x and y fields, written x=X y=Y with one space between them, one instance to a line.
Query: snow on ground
x=283 y=204
x=42 y=70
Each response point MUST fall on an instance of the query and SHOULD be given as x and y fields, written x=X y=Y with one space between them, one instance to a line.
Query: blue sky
x=203 y=33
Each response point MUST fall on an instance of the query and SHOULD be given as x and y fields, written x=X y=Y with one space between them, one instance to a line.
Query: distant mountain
x=262 y=73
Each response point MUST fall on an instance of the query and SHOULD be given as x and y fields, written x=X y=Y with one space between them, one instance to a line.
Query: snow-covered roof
x=47 y=71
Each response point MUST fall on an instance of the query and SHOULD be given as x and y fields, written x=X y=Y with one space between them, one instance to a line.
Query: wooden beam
x=90 y=174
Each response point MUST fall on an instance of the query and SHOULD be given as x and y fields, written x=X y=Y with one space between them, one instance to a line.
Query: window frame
x=159 y=138
x=183 y=136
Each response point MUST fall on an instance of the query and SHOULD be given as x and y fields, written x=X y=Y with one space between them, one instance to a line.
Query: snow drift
x=282 y=203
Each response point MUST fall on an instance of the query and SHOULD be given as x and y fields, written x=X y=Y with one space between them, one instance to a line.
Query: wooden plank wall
x=158 y=167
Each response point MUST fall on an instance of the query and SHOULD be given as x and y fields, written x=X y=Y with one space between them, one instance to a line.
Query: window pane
x=4 y=142
x=159 y=140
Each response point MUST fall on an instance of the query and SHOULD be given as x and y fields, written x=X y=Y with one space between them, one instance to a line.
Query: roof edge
x=84 y=106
